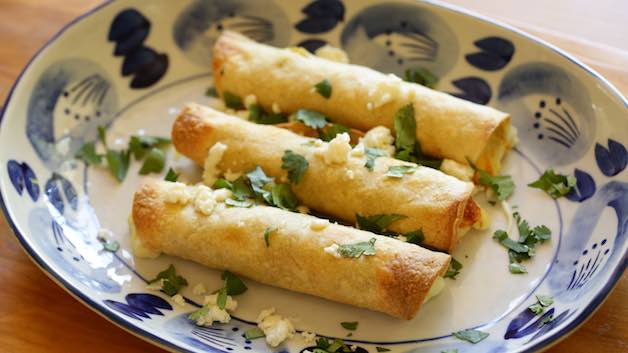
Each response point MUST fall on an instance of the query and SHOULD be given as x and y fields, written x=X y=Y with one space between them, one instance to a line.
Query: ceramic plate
x=130 y=65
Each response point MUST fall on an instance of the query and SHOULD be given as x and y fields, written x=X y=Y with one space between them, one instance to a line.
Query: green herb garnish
x=555 y=185
x=197 y=314
x=371 y=154
x=258 y=115
x=415 y=237
x=222 y=184
x=408 y=148
x=238 y=203
x=109 y=245
x=349 y=325
x=171 y=175
x=310 y=118
x=358 y=249
x=502 y=185
x=421 y=76
x=473 y=336
x=254 y=333
x=378 y=223
x=542 y=302
x=118 y=163
x=517 y=268
x=88 y=154
x=171 y=283
x=267 y=234
x=323 y=88
x=524 y=248
x=454 y=269
x=382 y=349
x=211 y=92
x=295 y=164
x=232 y=101
x=327 y=134
x=232 y=285
x=283 y=197
x=398 y=171
x=141 y=145
x=154 y=162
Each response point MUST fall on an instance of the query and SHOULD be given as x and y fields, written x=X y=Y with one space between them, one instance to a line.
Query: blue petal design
x=316 y=25
x=473 y=89
x=322 y=16
x=585 y=186
x=125 y=23
x=611 y=161
x=139 y=305
x=496 y=53
x=22 y=176
x=312 y=44
x=150 y=73
x=516 y=327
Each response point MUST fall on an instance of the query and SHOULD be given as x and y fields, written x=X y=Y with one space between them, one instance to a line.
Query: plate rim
x=147 y=336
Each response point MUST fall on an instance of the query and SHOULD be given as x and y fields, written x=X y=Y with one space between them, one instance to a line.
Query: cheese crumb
x=358 y=150
x=178 y=299
x=276 y=108
x=379 y=137
x=178 y=193
x=221 y=195
x=338 y=149
x=199 y=289
x=250 y=100
x=332 y=53
x=303 y=209
x=308 y=337
x=333 y=250
x=204 y=201
x=458 y=170
x=350 y=174
x=214 y=313
x=156 y=286
x=319 y=224
x=276 y=327
x=211 y=172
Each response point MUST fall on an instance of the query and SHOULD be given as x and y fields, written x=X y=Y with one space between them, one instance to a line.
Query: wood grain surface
x=36 y=315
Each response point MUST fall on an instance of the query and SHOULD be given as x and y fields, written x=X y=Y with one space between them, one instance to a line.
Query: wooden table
x=36 y=315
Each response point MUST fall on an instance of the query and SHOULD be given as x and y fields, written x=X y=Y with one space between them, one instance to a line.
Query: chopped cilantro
x=141 y=145
x=517 y=268
x=102 y=135
x=524 y=248
x=232 y=101
x=323 y=88
x=211 y=92
x=335 y=345
x=258 y=115
x=349 y=325
x=382 y=349
x=197 y=314
x=172 y=282
x=171 y=175
x=222 y=184
x=555 y=185
x=109 y=245
x=358 y=249
x=267 y=233
x=232 y=285
x=502 y=185
x=283 y=197
x=88 y=154
x=545 y=300
x=454 y=269
x=238 y=203
x=118 y=163
x=547 y=319
x=408 y=148
x=415 y=237
x=310 y=118
x=295 y=164
x=322 y=343
x=473 y=336
x=371 y=154
x=253 y=333
x=328 y=133
x=221 y=299
x=154 y=162
x=536 y=308
x=241 y=189
x=398 y=171
x=421 y=76
x=378 y=223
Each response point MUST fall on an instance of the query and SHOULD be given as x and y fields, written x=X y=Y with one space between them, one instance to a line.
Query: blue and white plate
x=129 y=65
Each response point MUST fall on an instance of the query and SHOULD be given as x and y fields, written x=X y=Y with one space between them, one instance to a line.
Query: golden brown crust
x=394 y=281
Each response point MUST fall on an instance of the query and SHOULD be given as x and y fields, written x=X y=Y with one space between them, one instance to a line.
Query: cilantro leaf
x=415 y=237
x=171 y=175
x=502 y=185
x=421 y=76
x=295 y=164
x=322 y=343
x=398 y=171
x=310 y=118
x=258 y=115
x=405 y=128
x=473 y=336
x=118 y=163
x=197 y=314
x=335 y=345
x=172 y=282
x=349 y=325
x=88 y=154
x=545 y=300
x=382 y=349
x=253 y=333
x=222 y=184
x=454 y=269
x=358 y=249
x=542 y=232
x=371 y=154
x=241 y=189
x=517 y=268
x=102 y=135
x=141 y=145
x=232 y=101
x=283 y=197
x=109 y=245
x=154 y=162
x=378 y=223
x=555 y=185
x=221 y=299
x=323 y=88
x=211 y=92
x=328 y=133
x=267 y=233
x=233 y=284
x=536 y=308
x=502 y=237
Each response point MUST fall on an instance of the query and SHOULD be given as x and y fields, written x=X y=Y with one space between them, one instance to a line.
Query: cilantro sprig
x=171 y=175
x=502 y=185
x=407 y=147
x=542 y=302
x=379 y=224
x=171 y=283
x=232 y=285
x=254 y=333
x=295 y=164
x=366 y=248
x=473 y=336
x=258 y=115
x=454 y=269
x=555 y=185
x=350 y=325
x=324 y=88
x=525 y=247
x=421 y=76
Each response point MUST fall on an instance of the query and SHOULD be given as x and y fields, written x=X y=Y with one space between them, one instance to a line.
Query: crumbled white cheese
x=199 y=289
x=204 y=201
x=338 y=149
x=221 y=195
x=214 y=313
x=303 y=209
x=178 y=299
x=230 y=305
x=358 y=150
x=319 y=224
x=211 y=172
x=333 y=250
x=458 y=170
x=332 y=53
x=250 y=100
x=349 y=174
x=178 y=193
x=308 y=337
x=353 y=347
x=276 y=108
x=157 y=285
x=276 y=327
x=379 y=137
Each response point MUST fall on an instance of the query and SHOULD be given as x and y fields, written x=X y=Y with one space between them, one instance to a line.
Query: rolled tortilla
x=362 y=98
x=179 y=220
x=439 y=205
